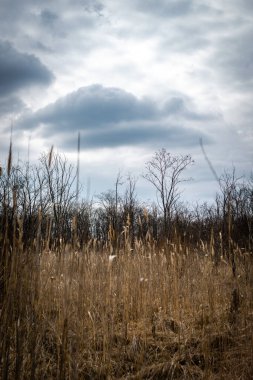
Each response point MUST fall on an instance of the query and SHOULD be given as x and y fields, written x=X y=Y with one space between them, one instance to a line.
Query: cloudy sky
x=133 y=76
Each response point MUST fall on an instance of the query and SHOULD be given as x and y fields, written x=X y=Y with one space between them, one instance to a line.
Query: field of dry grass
x=152 y=309
x=143 y=314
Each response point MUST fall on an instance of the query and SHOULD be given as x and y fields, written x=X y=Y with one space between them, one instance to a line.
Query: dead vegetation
x=147 y=316
x=125 y=307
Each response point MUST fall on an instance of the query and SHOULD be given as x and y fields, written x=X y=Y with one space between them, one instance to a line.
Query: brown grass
x=140 y=315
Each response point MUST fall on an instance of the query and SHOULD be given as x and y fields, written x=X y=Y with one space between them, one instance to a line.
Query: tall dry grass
x=143 y=314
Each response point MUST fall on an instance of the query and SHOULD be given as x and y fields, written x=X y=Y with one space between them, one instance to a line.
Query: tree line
x=40 y=208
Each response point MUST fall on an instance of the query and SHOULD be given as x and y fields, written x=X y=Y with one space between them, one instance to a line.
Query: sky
x=133 y=77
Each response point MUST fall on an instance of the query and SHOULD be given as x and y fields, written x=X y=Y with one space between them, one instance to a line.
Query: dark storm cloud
x=111 y=117
x=177 y=106
x=20 y=70
x=150 y=135
x=11 y=105
x=92 y=107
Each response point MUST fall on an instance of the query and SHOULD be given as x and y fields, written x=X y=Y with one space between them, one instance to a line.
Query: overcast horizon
x=132 y=77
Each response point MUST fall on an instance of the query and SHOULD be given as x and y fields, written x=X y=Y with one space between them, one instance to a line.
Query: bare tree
x=164 y=172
